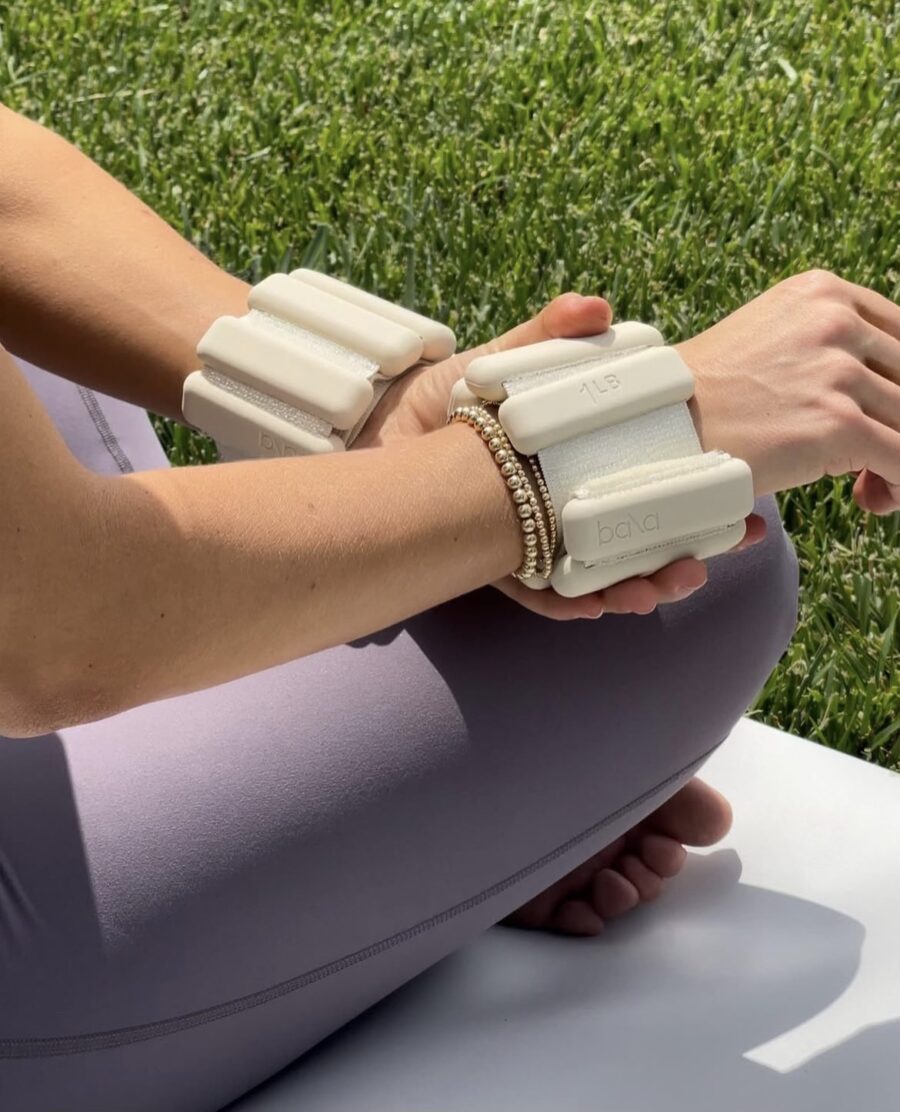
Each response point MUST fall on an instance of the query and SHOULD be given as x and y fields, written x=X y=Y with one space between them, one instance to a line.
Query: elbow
x=17 y=713
x=60 y=604
x=20 y=722
x=21 y=715
x=37 y=700
x=24 y=710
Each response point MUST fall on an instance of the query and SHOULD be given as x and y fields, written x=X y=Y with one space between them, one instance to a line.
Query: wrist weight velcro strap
x=301 y=372
x=631 y=486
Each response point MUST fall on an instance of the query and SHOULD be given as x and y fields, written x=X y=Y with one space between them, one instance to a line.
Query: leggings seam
x=110 y=441
x=123 y=1036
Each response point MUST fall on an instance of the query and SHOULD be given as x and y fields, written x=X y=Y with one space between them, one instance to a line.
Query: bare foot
x=632 y=869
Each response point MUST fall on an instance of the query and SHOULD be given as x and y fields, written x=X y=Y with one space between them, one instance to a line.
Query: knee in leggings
x=743 y=629
x=774 y=583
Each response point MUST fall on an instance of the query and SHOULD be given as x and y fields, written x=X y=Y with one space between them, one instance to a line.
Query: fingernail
x=683 y=592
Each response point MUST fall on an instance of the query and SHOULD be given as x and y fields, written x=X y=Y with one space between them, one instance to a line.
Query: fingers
x=631 y=596
x=879 y=447
x=673 y=583
x=570 y=314
x=880 y=351
x=877 y=392
x=574 y=314
x=756 y=532
x=875 y=309
x=874 y=495
x=878 y=397
x=548 y=603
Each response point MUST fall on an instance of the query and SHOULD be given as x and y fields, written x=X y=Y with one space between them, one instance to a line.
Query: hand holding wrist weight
x=607 y=418
x=302 y=371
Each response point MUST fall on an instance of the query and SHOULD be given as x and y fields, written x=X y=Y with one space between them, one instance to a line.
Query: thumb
x=568 y=315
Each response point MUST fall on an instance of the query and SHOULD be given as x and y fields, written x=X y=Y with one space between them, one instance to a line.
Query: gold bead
x=513 y=482
x=529 y=526
x=502 y=456
x=526 y=511
x=508 y=469
x=495 y=443
x=519 y=496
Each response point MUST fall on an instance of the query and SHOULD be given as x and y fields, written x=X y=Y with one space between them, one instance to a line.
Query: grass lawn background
x=473 y=159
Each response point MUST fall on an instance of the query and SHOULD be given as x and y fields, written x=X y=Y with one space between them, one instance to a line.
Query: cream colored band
x=607 y=419
x=303 y=370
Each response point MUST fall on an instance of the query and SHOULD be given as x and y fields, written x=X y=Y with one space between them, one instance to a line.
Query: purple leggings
x=195 y=892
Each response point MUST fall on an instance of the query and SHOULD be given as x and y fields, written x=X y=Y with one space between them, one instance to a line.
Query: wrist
x=485 y=500
x=694 y=408
x=527 y=497
x=720 y=412
x=214 y=293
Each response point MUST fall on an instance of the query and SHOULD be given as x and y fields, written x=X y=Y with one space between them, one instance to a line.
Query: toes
x=646 y=881
x=663 y=855
x=613 y=894
x=576 y=916
x=535 y=914
x=697 y=815
x=580 y=877
x=632 y=869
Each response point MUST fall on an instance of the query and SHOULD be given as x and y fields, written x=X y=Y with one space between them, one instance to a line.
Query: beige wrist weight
x=303 y=370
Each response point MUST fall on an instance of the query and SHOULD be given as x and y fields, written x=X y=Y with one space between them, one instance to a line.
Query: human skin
x=803 y=381
x=111 y=590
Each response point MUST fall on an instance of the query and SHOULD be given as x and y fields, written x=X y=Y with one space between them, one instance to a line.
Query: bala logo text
x=628 y=528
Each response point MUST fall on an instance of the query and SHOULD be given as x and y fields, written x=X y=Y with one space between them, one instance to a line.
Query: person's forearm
x=94 y=285
x=166 y=582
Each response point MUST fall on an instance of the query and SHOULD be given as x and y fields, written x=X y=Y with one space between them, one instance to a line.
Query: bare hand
x=804 y=381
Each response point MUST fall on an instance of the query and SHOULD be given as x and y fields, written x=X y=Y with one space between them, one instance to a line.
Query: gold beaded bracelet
x=548 y=503
x=531 y=518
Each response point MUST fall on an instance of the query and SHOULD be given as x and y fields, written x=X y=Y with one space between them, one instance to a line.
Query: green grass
x=474 y=158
